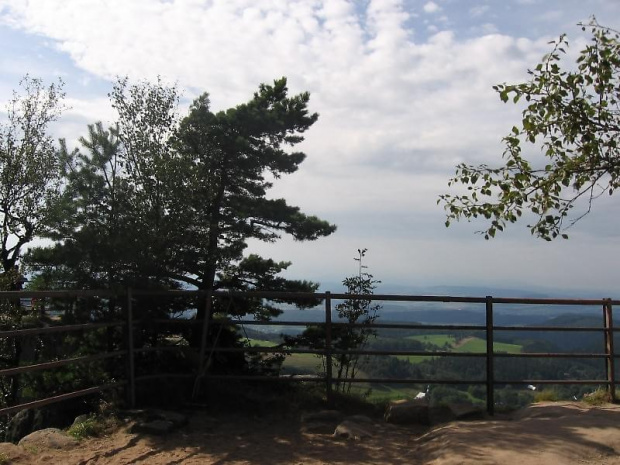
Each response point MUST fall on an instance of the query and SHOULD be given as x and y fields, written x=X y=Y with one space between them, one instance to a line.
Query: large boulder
x=352 y=430
x=408 y=412
x=156 y=422
x=467 y=411
x=49 y=438
x=20 y=425
x=29 y=420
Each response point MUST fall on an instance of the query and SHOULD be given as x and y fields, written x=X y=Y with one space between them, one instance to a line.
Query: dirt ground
x=548 y=433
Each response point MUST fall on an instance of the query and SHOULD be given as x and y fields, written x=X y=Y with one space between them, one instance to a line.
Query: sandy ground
x=551 y=433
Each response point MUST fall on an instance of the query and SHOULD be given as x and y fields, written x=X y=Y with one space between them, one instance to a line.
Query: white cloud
x=431 y=7
x=478 y=10
x=397 y=110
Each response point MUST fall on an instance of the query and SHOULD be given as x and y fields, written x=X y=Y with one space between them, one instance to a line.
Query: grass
x=93 y=425
x=436 y=339
x=303 y=363
x=598 y=397
x=480 y=345
x=384 y=393
x=297 y=363
x=547 y=395
x=415 y=358
x=262 y=343
x=474 y=344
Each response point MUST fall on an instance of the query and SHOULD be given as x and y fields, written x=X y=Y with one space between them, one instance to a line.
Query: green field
x=415 y=358
x=480 y=345
x=298 y=363
x=303 y=363
x=435 y=339
x=309 y=363
x=261 y=343
x=474 y=344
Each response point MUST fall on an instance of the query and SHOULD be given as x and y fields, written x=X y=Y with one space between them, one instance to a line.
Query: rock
x=441 y=414
x=155 y=421
x=317 y=428
x=29 y=420
x=81 y=419
x=177 y=419
x=351 y=430
x=49 y=438
x=20 y=425
x=156 y=427
x=406 y=412
x=363 y=419
x=467 y=411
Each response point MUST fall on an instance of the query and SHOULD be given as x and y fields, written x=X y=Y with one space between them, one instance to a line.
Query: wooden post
x=131 y=372
x=609 y=349
x=328 y=346
x=489 y=357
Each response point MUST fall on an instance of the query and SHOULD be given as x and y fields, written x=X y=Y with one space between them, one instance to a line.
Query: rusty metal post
x=489 y=357
x=328 y=346
x=610 y=371
x=131 y=372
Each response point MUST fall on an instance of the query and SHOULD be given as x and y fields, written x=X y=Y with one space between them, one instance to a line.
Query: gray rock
x=317 y=428
x=81 y=419
x=49 y=438
x=156 y=427
x=351 y=430
x=467 y=411
x=406 y=412
x=441 y=414
x=20 y=425
x=177 y=419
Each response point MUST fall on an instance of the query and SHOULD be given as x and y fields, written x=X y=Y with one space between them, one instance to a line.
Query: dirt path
x=559 y=433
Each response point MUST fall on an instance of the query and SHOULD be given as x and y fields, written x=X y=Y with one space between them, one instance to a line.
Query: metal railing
x=128 y=349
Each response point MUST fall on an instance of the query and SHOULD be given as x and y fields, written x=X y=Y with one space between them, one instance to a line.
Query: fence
x=128 y=349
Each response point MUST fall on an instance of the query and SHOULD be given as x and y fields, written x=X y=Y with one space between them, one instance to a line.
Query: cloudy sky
x=404 y=93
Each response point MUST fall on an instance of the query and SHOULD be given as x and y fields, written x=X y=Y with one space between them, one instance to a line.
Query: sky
x=404 y=93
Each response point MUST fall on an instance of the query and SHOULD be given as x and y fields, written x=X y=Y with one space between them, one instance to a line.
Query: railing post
x=489 y=357
x=131 y=372
x=328 y=346
x=609 y=349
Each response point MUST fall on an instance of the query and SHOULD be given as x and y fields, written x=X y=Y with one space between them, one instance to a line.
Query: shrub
x=547 y=395
x=598 y=397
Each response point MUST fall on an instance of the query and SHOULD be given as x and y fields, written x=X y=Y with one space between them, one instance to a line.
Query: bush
x=598 y=397
x=547 y=395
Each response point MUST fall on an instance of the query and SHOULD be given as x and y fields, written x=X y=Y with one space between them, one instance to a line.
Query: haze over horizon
x=404 y=93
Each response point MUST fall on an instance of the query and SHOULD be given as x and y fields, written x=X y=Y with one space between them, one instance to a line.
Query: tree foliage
x=357 y=310
x=30 y=174
x=157 y=200
x=232 y=157
x=359 y=313
x=573 y=113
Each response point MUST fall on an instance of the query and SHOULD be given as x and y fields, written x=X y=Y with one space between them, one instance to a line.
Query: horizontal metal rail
x=61 y=397
x=59 y=329
x=60 y=363
x=328 y=351
x=165 y=375
x=555 y=381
